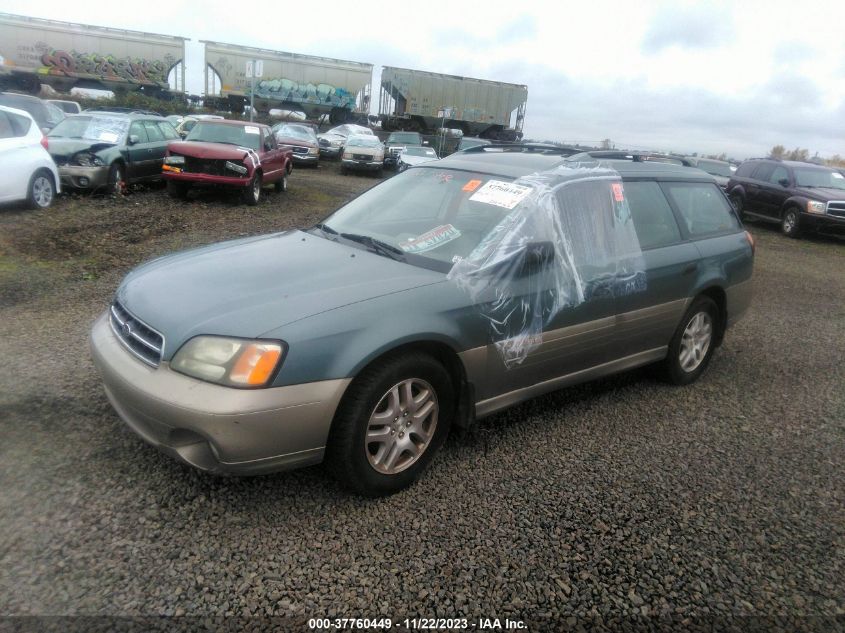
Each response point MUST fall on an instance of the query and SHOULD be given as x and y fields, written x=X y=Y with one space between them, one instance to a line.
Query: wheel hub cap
x=401 y=426
x=695 y=341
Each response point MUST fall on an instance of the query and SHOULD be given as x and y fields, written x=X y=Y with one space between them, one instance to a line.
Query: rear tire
x=41 y=191
x=738 y=204
x=790 y=224
x=692 y=345
x=177 y=190
x=393 y=419
x=282 y=184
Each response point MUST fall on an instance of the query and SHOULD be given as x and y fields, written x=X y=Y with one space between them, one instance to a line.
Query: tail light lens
x=44 y=142
x=751 y=242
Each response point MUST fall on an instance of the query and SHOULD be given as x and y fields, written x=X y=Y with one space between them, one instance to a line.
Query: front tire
x=116 y=183
x=692 y=345
x=392 y=421
x=790 y=224
x=252 y=194
x=41 y=191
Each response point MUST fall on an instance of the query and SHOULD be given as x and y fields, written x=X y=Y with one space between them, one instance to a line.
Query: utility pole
x=254 y=68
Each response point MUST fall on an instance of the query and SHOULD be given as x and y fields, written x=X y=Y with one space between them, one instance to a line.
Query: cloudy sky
x=708 y=77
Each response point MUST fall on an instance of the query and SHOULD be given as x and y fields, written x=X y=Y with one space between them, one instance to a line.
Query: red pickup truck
x=230 y=154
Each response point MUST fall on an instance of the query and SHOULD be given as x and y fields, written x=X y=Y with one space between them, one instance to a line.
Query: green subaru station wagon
x=445 y=294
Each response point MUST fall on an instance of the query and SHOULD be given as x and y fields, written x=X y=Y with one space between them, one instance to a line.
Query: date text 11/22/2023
x=420 y=624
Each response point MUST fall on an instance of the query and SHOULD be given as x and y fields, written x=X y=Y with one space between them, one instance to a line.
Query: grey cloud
x=700 y=26
x=681 y=119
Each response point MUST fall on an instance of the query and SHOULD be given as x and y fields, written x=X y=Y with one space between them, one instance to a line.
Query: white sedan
x=27 y=172
x=411 y=156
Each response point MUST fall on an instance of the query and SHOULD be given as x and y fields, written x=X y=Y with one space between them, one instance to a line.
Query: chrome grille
x=299 y=150
x=139 y=338
x=836 y=208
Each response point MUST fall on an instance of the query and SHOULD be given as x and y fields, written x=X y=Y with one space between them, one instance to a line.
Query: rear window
x=702 y=206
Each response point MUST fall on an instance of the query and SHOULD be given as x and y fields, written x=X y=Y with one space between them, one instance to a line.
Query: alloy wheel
x=695 y=341
x=42 y=191
x=401 y=426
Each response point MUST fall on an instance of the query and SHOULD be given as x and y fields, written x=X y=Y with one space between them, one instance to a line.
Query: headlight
x=336 y=143
x=87 y=159
x=816 y=207
x=174 y=160
x=313 y=151
x=235 y=167
x=229 y=361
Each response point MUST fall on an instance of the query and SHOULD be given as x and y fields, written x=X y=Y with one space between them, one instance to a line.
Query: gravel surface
x=617 y=499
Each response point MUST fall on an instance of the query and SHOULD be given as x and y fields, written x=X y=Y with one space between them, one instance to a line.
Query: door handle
x=690 y=269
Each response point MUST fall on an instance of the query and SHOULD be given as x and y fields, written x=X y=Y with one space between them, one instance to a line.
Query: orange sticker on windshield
x=472 y=185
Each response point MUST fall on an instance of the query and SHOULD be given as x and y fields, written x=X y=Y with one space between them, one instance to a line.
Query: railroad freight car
x=288 y=81
x=64 y=55
x=425 y=101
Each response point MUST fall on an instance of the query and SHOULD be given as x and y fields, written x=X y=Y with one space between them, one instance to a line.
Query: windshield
x=248 y=136
x=435 y=216
x=419 y=151
x=715 y=168
x=297 y=131
x=809 y=177
x=363 y=141
x=106 y=129
x=404 y=137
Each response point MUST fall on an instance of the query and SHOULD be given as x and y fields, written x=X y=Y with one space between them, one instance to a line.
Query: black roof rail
x=523 y=148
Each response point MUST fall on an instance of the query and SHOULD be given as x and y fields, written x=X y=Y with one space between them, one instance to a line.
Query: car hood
x=295 y=142
x=821 y=193
x=200 y=149
x=248 y=287
x=61 y=149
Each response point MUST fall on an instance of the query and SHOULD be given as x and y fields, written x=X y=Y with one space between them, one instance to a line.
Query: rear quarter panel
x=727 y=263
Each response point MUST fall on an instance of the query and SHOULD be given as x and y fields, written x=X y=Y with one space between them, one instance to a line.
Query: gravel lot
x=621 y=498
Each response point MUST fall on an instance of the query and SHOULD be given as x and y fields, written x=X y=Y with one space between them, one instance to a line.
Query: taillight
x=44 y=142
x=751 y=243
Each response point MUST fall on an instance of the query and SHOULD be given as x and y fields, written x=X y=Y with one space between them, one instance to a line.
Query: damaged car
x=411 y=156
x=107 y=150
x=445 y=294
x=332 y=142
x=233 y=154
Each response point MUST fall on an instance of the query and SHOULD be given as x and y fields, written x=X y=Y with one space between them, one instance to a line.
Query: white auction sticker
x=251 y=129
x=108 y=137
x=432 y=239
x=501 y=194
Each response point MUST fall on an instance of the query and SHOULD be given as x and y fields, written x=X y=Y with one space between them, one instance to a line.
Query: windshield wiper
x=377 y=246
x=324 y=228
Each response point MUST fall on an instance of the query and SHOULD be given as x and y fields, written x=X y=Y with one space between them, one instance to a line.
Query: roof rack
x=637 y=156
x=523 y=148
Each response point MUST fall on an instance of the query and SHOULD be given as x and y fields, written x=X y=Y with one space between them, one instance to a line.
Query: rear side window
x=763 y=171
x=744 y=170
x=153 y=131
x=167 y=130
x=702 y=206
x=13 y=125
x=653 y=218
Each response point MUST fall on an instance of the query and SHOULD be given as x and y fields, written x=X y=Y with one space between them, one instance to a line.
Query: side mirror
x=536 y=257
x=45 y=130
x=183 y=133
x=784 y=182
x=134 y=139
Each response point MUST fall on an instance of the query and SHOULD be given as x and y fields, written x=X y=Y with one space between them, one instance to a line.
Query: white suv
x=27 y=172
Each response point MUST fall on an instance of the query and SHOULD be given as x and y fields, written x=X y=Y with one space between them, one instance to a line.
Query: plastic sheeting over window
x=568 y=239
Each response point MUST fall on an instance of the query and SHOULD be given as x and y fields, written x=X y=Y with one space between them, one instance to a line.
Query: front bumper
x=363 y=165
x=824 y=223
x=207 y=179
x=329 y=152
x=77 y=177
x=215 y=428
x=306 y=159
